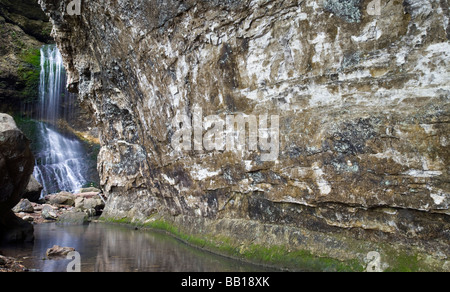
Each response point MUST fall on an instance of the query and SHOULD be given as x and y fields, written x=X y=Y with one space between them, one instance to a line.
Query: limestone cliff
x=361 y=89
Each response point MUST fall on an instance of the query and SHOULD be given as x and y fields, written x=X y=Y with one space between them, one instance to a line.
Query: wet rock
x=58 y=251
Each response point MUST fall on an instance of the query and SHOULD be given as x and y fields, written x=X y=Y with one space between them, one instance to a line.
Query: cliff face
x=23 y=28
x=27 y=15
x=361 y=92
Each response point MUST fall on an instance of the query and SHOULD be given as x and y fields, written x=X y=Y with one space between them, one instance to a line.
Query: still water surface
x=113 y=248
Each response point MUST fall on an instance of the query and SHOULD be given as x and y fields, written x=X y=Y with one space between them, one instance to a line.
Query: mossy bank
x=310 y=255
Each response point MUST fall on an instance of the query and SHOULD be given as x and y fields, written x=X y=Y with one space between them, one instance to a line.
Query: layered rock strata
x=361 y=89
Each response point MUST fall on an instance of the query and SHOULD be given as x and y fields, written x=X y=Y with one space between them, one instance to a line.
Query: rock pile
x=63 y=207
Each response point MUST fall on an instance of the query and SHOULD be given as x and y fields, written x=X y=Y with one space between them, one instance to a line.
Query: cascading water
x=59 y=160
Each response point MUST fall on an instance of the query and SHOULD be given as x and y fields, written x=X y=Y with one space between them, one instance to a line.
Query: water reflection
x=111 y=248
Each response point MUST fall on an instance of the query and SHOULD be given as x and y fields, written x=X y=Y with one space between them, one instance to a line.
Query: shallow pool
x=114 y=248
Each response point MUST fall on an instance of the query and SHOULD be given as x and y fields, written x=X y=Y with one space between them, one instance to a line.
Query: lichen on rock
x=349 y=10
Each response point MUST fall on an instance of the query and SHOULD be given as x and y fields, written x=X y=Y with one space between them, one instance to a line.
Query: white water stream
x=60 y=160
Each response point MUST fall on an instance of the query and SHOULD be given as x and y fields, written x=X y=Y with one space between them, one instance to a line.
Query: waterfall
x=60 y=159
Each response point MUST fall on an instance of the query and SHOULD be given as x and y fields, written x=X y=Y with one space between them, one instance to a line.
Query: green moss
x=47 y=32
x=393 y=258
x=28 y=126
x=299 y=260
x=405 y=263
x=117 y=220
x=274 y=256
x=29 y=74
x=32 y=57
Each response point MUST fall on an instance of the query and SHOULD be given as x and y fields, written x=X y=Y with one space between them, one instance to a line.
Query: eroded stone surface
x=363 y=102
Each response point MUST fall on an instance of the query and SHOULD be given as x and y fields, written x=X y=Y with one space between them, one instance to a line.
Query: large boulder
x=16 y=167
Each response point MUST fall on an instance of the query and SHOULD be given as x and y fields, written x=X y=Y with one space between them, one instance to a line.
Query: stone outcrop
x=24 y=28
x=27 y=15
x=16 y=167
x=361 y=89
x=19 y=67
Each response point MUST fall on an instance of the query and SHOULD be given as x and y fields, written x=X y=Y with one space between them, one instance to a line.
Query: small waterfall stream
x=60 y=159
